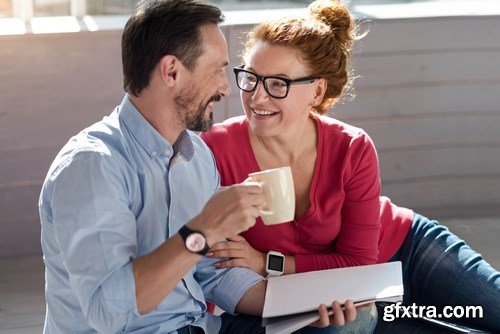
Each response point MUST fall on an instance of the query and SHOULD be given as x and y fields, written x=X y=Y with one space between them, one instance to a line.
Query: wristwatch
x=275 y=264
x=194 y=241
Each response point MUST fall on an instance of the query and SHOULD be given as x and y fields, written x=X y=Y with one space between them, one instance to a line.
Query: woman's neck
x=287 y=148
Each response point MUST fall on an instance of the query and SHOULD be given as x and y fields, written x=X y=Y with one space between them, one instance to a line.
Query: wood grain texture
x=22 y=302
x=427 y=95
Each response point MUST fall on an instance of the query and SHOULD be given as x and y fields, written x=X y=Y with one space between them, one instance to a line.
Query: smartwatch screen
x=275 y=262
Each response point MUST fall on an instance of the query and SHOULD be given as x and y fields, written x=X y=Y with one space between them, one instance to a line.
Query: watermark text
x=398 y=310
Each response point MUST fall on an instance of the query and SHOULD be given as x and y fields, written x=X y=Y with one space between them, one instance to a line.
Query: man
x=131 y=203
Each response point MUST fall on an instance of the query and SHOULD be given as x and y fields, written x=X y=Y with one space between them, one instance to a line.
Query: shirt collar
x=184 y=145
x=147 y=136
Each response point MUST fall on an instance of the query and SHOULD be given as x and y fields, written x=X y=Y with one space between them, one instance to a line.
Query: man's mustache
x=215 y=98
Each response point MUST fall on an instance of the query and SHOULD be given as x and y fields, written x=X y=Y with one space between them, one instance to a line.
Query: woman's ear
x=319 y=92
x=169 y=69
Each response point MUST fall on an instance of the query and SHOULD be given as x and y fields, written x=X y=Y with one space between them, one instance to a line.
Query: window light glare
x=54 y=24
x=12 y=26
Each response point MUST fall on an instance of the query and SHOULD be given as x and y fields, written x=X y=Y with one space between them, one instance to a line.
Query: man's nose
x=225 y=89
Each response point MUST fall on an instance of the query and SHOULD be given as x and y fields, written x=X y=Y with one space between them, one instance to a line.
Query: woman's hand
x=239 y=254
x=338 y=318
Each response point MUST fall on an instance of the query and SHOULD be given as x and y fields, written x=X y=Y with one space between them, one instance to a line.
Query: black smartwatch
x=194 y=241
x=275 y=264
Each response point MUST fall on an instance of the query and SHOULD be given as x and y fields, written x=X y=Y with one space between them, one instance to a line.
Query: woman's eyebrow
x=271 y=75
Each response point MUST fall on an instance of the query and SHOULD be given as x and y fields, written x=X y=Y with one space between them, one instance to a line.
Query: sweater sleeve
x=357 y=241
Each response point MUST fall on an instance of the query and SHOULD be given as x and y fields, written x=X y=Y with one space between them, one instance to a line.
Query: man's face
x=207 y=84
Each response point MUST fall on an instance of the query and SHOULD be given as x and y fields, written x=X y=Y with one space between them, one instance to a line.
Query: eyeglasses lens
x=273 y=86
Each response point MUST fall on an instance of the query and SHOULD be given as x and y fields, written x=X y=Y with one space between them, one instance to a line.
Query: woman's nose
x=260 y=92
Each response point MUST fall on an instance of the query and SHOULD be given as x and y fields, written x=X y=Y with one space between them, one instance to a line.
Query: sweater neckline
x=254 y=165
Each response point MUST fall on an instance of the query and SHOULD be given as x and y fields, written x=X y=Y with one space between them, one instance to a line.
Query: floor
x=22 y=305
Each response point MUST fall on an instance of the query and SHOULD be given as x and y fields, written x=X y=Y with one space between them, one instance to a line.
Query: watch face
x=275 y=262
x=195 y=242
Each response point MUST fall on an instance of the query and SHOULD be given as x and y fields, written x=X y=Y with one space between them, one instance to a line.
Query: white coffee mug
x=278 y=189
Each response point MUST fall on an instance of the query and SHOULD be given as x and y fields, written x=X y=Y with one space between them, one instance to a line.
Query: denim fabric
x=241 y=324
x=190 y=330
x=231 y=324
x=365 y=322
x=439 y=269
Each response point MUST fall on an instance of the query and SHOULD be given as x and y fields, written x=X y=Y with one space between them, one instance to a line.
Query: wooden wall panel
x=428 y=96
x=435 y=68
x=57 y=84
x=20 y=237
x=433 y=131
x=421 y=164
x=429 y=34
x=24 y=166
x=385 y=103
x=448 y=196
x=19 y=222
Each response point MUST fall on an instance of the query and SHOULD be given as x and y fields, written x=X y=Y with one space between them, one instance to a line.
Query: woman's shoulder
x=335 y=128
x=227 y=128
x=225 y=136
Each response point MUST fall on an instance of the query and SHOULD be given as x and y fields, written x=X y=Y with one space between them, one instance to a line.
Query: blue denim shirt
x=115 y=192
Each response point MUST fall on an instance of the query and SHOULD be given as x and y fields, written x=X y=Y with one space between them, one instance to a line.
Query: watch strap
x=185 y=232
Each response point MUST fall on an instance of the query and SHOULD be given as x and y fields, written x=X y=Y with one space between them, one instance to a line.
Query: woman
x=294 y=70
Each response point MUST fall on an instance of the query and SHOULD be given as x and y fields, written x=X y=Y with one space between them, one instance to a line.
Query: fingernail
x=209 y=254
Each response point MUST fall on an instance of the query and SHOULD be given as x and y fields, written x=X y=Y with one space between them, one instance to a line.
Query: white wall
x=428 y=96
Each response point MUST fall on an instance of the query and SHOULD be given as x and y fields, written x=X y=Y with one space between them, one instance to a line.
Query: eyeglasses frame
x=261 y=78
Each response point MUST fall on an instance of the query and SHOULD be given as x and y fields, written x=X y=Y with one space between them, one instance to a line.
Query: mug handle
x=262 y=212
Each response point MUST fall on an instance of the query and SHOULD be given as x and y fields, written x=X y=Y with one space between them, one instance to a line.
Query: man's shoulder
x=104 y=138
x=103 y=141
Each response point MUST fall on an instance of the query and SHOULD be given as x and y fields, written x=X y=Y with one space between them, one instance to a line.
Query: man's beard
x=192 y=117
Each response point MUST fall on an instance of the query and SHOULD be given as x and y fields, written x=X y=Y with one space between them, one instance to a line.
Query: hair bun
x=335 y=14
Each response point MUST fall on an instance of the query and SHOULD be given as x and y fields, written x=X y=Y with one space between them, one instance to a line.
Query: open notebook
x=292 y=300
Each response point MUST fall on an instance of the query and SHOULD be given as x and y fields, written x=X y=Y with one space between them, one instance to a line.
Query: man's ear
x=169 y=69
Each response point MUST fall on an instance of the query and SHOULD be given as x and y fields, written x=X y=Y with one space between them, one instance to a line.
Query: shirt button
x=154 y=153
x=166 y=152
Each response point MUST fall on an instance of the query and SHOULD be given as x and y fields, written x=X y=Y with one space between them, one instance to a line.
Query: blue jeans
x=365 y=322
x=230 y=324
x=244 y=324
x=439 y=269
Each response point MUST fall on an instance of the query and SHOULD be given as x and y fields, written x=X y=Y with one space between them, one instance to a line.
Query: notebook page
x=304 y=292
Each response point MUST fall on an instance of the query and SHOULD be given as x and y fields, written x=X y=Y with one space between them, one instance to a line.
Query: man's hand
x=230 y=211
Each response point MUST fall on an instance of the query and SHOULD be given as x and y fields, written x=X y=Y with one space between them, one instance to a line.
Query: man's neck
x=160 y=114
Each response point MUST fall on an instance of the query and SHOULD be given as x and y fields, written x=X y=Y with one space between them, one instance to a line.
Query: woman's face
x=269 y=116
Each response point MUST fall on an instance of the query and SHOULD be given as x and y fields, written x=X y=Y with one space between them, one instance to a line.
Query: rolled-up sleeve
x=224 y=287
x=96 y=233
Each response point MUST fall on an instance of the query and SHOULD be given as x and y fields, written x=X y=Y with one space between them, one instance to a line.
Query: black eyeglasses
x=276 y=87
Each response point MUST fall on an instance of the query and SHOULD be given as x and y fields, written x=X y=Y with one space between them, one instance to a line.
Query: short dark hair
x=159 y=28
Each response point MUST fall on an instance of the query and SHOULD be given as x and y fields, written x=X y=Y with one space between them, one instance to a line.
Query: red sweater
x=347 y=224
